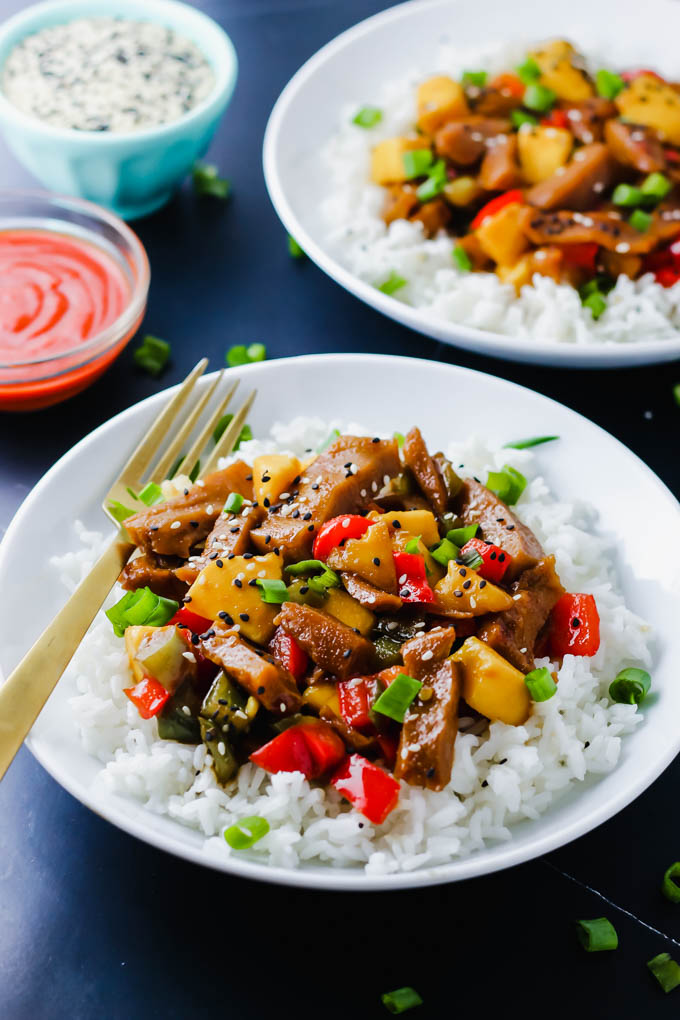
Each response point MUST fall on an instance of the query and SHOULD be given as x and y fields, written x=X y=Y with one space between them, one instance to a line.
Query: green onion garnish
x=294 y=249
x=656 y=186
x=132 y=493
x=519 y=117
x=444 y=551
x=400 y=1000
x=529 y=71
x=413 y=545
x=175 y=467
x=395 y=699
x=207 y=181
x=234 y=503
x=665 y=970
x=626 y=194
x=597 y=303
x=119 y=511
x=471 y=559
x=272 y=590
x=393 y=283
x=151 y=493
x=417 y=162
x=508 y=484
x=630 y=686
x=609 y=84
x=524 y=444
x=141 y=608
x=195 y=471
x=401 y=438
x=676 y=394
x=641 y=220
x=669 y=887
x=459 y=536
x=597 y=935
x=246 y=832
x=434 y=184
x=477 y=78
x=244 y=436
x=367 y=116
x=239 y=354
x=461 y=258
x=152 y=355
x=539 y=97
x=334 y=434
x=322 y=577
x=245 y=433
x=541 y=684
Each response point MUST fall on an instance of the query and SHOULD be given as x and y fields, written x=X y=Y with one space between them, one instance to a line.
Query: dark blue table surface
x=96 y=924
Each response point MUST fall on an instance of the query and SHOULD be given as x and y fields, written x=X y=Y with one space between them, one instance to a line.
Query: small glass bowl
x=40 y=382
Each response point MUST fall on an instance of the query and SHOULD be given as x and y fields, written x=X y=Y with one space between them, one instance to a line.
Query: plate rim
x=325 y=876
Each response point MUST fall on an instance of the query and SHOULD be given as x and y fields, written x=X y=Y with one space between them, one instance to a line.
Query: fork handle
x=30 y=684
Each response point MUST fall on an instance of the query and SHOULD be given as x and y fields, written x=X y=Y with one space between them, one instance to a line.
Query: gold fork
x=29 y=685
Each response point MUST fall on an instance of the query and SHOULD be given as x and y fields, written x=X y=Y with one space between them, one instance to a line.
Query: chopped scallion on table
x=630 y=686
x=234 y=503
x=665 y=970
x=294 y=249
x=400 y=1000
x=239 y=354
x=246 y=832
x=477 y=78
x=395 y=699
x=207 y=181
x=151 y=493
x=669 y=887
x=529 y=71
x=417 y=162
x=641 y=220
x=540 y=684
x=539 y=97
x=524 y=444
x=152 y=355
x=597 y=935
x=393 y=283
x=272 y=590
x=367 y=116
x=461 y=258
x=609 y=84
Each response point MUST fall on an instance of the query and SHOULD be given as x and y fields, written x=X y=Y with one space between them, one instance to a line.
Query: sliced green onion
x=322 y=577
x=434 y=184
x=413 y=545
x=641 y=220
x=461 y=258
x=665 y=970
x=400 y=1000
x=141 y=608
x=294 y=249
x=239 y=354
x=539 y=97
x=246 y=832
x=132 y=493
x=207 y=181
x=304 y=567
x=234 y=503
x=459 y=536
x=676 y=394
x=597 y=303
x=471 y=559
x=401 y=438
x=655 y=186
x=334 y=434
x=524 y=444
x=272 y=590
x=626 y=194
x=609 y=84
x=367 y=116
x=417 y=162
x=529 y=71
x=245 y=433
x=669 y=887
x=176 y=466
x=152 y=355
x=195 y=471
x=393 y=283
x=244 y=436
x=151 y=493
x=597 y=935
x=541 y=684
x=508 y=484
x=477 y=78
x=519 y=117
x=395 y=699
x=119 y=511
x=256 y=352
x=630 y=686
x=444 y=551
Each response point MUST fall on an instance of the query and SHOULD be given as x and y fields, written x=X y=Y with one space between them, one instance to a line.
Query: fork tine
x=208 y=429
x=141 y=457
x=230 y=435
x=160 y=470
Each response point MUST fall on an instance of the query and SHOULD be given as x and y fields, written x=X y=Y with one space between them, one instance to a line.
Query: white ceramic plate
x=445 y=401
x=354 y=67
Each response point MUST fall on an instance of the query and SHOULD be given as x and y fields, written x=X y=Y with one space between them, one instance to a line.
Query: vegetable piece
x=539 y=97
x=495 y=205
x=656 y=186
x=669 y=887
x=206 y=181
x=461 y=258
x=119 y=511
x=597 y=935
x=462 y=191
x=459 y=536
x=477 y=78
x=471 y=558
x=369 y=555
x=148 y=696
x=343 y=607
x=524 y=444
x=387 y=651
x=597 y=303
x=444 y=551
x=367 y=116
x=414 y=523
x=272 y=591
x=508 y=484
x=508 y=84
x=371 y=790
x=151 y=493
x=439 y=100
x=395 y=699
x=574 y=626
x=337 y=530
x=246 y=832
x=463 y=591
x=224 y=762
x=234 y=503
x=355 y=702
x=322 y=696
x=417 y=162
x=152 y=355
x=411 y=578
x=653 y=103
x=665 y=970
x=609 y=84
x=542 y=150
x=160 y=654
x=641 y=220
x=502 y=236
x=192 y=621
x=491 y=685
x=495 y=561
x=245 y=434
x=178 y=720
x=274 y=474
x=325 y=746
x=400 y=1000
x=560 y=71
x=227 y=706
x=288 y=652
x=239 y=354
x=141 y=608
x=387 y=159
x=630 y=686
x=520 y=117
x=528 y=72
x=556 y=119
x=311 y=747
x=294 y=249
x=435 y=182
x=222 y=586
x=540 y=684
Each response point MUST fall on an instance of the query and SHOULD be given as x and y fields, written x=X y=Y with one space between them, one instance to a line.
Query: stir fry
x=335 y=617
x=544 y=169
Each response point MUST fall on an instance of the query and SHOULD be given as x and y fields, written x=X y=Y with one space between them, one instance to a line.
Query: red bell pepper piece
x=557 y=118
x=667 y=276
x=411 y=578
x=310 y=747
x=189 y=624
x=510 y=83
x=574 y=626
x=389 y=745
x=629 y=76
x=672 y=155
x=288 y=652
x=495 y=561
x=582 y=255
x=355 y=702
x=148 y=696
x=495 y=205
x=324 y=745
x=337 y=530
x=192 y=621
x=370 y=789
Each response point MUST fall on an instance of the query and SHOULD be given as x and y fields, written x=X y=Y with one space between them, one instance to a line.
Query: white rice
x=637 y=310
x=501 y=775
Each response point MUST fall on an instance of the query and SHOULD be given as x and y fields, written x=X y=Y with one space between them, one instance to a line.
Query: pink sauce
x=56 y=292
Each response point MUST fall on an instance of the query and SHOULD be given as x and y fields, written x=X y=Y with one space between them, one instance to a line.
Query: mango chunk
x=343 y=607
x=387 y=163
x=222 y=586
x=491 y=685
x=369 y=556
x=542 y=150
x=502 y=236
x=273 y=473
x=414 y=522
x=560 y=71
x=653 y=103
x=477 y=596
x=439 y=100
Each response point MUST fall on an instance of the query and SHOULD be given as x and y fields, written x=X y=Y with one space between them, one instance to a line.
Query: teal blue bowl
x=131 y=173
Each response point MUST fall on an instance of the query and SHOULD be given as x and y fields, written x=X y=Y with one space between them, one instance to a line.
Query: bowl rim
x=27 y=22
x=138 y=294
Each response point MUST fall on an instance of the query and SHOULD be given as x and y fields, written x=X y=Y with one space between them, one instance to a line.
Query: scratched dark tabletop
x=96 y=924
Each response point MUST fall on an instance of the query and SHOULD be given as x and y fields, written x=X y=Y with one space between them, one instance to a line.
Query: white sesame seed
x=476 y=136
x=560 y=170
x=579 y=156
x=403 y=578
x=345 y=523
x=189 y=656
x=522 y=650
x=426 y=656
x=574 y=115
x=262 y=573
x=420 y=623
x=587 y=137
x=175 y=525
x=374 y=486
x=473 y=602
x=363 y=494
x=622 y=247
x=649 y=415
x=282 y=706
x=304 y=479
x=209 y=509
x=598 y=186
x=392 y=625
x=222 y=747
x=240 y=714
x=284 y=495
x=386 y=479
x=186 y=709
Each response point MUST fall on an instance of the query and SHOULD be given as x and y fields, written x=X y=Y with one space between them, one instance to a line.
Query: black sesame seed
x=260 y=690
x=307 y=516
x=304 y=589
x=485 y=783
x=315 y=486
x=502 y=761
x=268 y=539
x=215 y=714
x=234 y=531
x=266 y=478
x=501 y=558
x=231 y=556
x=222 y=701
x=297 y=479
x=186 y=599
x=195 y=639
x=249 y=478
x=510 y=527
x=396 y=524
x=265 y=502
x=347 y=652
x=277 y=551
x=226 y=617
x=252 y=583
x=376 y=560
x=576 y=622
x=247 y=556
x=154 y=527
x=238 y=582
x=466 y=584
x=219 y=563
x=458 y=594
x=295 y=514
x=210 y=734
x=482 y=584
x=244 y=617
x=492 y=556
x=213 y=556
x=430 y=773
x=463 y=572
x=310 y=527
x=404 y=593
x=194 y=524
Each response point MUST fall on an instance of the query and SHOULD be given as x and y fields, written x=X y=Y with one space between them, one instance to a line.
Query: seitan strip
x=259 y=674
x=477 y=504
x=330 y=644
